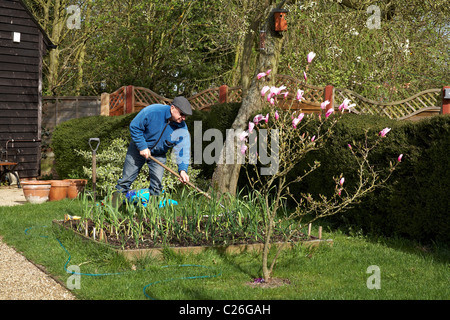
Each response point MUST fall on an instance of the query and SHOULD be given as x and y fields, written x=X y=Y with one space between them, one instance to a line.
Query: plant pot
x=36 y=191
x=59 y=189
x=76 y=187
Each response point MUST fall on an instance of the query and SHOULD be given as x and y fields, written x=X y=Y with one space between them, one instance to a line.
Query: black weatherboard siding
x=21 y=86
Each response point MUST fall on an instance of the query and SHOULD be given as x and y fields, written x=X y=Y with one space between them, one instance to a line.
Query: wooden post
x=104 y=104
x=129 y=101
x=223 y=94
x=445 y=109
x=328 y=94
x=320 y=232
x=309 y=229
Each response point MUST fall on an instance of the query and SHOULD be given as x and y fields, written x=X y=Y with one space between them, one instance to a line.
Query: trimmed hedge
x=415 y=202
x=74 y=134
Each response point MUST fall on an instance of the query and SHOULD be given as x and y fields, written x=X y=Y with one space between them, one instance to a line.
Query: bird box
x=280 y=19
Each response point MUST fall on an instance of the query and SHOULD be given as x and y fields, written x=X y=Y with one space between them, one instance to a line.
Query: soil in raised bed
x=148 y=241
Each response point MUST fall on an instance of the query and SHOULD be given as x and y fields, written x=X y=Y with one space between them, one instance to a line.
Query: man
x=155 y=130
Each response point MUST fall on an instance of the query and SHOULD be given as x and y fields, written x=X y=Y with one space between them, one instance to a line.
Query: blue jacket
x=148 y=126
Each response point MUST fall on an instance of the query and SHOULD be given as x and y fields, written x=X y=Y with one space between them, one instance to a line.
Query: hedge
x=415 y=202
x=75 y=134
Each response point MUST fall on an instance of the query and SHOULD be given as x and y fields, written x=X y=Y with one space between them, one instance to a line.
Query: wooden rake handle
x=179 y=177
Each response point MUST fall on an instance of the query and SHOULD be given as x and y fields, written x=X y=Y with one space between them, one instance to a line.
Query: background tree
x=388 y=53
x=407 y=52
x=226 y=175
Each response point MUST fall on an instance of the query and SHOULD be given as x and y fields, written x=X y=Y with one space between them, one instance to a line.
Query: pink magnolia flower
x=341 y=182
x=295 y=122
x=285 y=94
x=310 y=57
x=276 y=90
x=251 y=125
x=329 y=112
x=276 y=115
x=272 y=101
x=324 y=104
x=349 y=146
x=243 y=135
x=344 y=104
x=300 y=116
x=264 y=90
x=243 y=148
x=263 y=74
x=400 y=158
x=384 y=132
x=304 y=76
x=266 y=119
x=258 y=118
x=299 y=95
x=313 y=138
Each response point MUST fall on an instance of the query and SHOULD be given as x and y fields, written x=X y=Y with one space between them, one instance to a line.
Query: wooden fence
x=128 y=99
x=59 y=109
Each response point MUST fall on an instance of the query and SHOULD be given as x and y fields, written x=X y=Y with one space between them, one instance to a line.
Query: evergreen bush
x=415 y=202
x=75 y=134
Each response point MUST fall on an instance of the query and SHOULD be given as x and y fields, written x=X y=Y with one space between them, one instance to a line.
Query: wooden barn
x=23 y=44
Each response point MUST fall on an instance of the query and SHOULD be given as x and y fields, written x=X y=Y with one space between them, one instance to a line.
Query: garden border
x=157 y=253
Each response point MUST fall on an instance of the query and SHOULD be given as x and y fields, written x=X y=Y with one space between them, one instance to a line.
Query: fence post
x=223 y=94
x=445 y=109
x=129 y=101
x=328 y=94
x=104 y=104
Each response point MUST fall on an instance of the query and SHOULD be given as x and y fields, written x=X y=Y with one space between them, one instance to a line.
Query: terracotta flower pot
x=59 y=189
x=36 y=191
x=76 y=187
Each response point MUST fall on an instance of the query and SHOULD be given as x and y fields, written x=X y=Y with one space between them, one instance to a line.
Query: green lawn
x=407 y=270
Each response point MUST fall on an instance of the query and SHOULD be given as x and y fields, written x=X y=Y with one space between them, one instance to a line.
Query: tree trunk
x=226 y=176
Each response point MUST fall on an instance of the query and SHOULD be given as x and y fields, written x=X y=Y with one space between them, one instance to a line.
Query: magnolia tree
x=283 y=138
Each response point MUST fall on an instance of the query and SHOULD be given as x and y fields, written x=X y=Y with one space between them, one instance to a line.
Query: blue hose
x=126 y=272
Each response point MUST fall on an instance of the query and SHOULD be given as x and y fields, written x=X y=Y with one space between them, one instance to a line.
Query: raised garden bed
x=148 y=247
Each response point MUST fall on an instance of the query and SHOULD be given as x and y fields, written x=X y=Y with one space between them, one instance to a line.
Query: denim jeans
x=133 y=164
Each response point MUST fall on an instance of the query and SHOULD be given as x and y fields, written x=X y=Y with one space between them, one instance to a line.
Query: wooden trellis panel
x=117 y=102
x=205 y=99
x=313 y=95
x=427 y=101
x=144 y=97
x=235 y=94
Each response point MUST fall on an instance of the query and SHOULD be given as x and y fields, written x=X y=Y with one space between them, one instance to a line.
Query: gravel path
x=19 y=278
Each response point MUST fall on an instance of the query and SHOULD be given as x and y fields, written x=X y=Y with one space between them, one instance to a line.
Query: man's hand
x=145 y=153
x=184 y=177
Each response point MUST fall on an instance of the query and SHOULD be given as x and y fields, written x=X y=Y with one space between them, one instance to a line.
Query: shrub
x=74 y=135
x=414 y=203
x=109 y=166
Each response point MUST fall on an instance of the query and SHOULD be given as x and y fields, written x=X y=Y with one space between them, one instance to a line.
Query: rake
x=188 y=183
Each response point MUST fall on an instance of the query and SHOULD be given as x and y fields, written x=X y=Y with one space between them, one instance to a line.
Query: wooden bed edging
x=132 y=254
